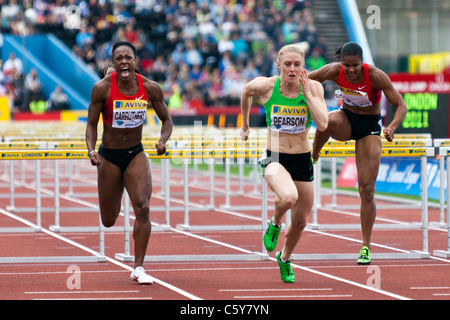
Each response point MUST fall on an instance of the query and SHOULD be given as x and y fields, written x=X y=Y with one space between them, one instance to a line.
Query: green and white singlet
x=288 y=115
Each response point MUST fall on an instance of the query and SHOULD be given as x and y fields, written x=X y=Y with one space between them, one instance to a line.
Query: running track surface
x=213 y=280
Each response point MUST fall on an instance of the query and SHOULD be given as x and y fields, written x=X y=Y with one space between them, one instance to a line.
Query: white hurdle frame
x=252 y=256
x=100 y=257
x=444 y=153
x=37 y=227
x=189 y=154
x=414 y=254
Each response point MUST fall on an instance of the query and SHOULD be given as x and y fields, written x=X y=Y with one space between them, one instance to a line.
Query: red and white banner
x=414 y=83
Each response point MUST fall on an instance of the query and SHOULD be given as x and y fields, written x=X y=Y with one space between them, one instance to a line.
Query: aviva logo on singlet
x=352 y=92
x=289 y=110
x=130 y=104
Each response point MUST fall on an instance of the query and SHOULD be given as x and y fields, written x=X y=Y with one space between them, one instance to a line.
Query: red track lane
x=214 y=280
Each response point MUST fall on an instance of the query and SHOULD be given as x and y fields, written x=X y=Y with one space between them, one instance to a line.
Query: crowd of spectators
x=201 y=52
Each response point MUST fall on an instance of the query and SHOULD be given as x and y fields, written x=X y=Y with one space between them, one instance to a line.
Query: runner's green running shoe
x=271 y=236
x=285 y=269
x=364 y=257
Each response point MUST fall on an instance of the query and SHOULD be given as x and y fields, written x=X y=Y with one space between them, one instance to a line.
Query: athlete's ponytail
x=105 y=70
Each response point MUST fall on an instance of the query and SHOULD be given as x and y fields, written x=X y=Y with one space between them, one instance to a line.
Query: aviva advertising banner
x=398 y=176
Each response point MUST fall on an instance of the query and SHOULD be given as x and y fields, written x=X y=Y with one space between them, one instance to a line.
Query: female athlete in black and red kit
x=122 y=98
x=359 y=118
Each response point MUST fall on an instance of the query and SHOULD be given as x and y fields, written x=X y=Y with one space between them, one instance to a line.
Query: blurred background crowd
x=201 y=52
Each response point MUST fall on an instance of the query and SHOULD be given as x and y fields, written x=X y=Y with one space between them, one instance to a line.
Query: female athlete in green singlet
x=291 y=101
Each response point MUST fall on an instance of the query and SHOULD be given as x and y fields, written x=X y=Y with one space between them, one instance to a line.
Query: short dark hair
x=124 y=43
x=349 y=49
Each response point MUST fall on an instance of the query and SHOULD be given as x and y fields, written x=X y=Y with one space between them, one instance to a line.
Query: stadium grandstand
x=201 y=52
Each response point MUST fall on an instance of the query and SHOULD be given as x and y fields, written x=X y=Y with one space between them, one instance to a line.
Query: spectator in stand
x=10 y=9
x=175 y=102
x=159 y=69
x=225 y=44
x=194 y=74
x=195 y=101
x=225 y=61
x=177 y=55
x=233 y=83
x=241 y=50
x=200 y=32
x=32 y=88
x=85 y=36
x=250 y=72
x=192 y=55
x=58 y=100
x=214 y=90
x=13 y=67
x=129 y=33
x=315 y=60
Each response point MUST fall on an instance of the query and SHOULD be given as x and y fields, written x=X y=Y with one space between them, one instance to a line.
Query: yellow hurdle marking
x=206 y=153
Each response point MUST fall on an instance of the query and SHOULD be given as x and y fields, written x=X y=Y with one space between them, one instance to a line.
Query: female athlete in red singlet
x=122 y=98
x=359 y=118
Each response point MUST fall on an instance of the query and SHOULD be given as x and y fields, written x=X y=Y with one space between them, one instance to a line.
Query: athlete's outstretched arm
x=327 y=72
x=381 y=80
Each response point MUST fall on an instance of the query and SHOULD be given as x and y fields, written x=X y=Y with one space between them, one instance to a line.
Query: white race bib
x=128 y=113
x=355 y=98
x=289 y=119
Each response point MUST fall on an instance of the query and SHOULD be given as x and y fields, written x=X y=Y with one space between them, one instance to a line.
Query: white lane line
x=390 y=294
x=80 y=246
x=331 y=296
x=293 y=265
x=275 y=289
x=80 y=292
x=97 y=298
x=430 y=288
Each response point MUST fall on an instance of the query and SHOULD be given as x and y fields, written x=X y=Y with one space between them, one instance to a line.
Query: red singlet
x=123 y=111
x=359 y=95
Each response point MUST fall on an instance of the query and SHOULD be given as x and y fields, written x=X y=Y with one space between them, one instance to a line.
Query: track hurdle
x=404 y=142
x=444 y=153
x=37 y=156
x=20 y=146
x=441 y=143
x=185 y=155
x=423 y=153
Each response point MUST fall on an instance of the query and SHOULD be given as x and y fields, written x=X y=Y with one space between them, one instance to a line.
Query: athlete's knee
x=299 y=222
x=142 y=210
x=367 y=192
x=289 y=199
x=108 y=222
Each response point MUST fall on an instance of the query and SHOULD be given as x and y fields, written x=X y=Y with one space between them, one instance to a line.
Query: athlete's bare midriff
x=288 y=143
x=371 y=110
